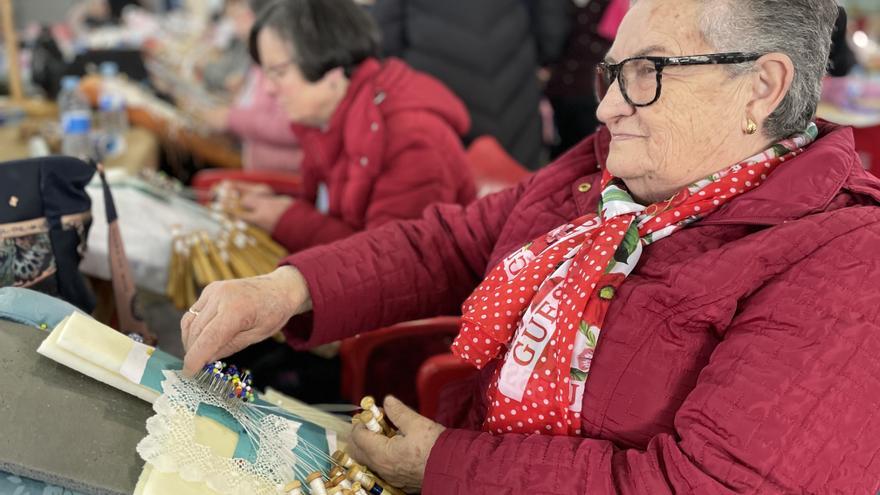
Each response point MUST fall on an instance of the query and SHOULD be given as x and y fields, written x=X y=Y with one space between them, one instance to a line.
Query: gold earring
x=751 y=127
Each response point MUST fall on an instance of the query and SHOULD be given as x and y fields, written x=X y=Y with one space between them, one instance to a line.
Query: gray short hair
x=800 y=29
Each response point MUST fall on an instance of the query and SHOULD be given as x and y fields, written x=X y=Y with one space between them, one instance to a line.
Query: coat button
x=13 y=201
x=607 y=293
x=584 y=187
x=364 y=161
x=374 y=127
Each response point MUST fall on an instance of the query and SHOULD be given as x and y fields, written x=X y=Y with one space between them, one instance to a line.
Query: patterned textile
x=547 y=301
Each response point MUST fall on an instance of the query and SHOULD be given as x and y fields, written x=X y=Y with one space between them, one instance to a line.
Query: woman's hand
x=400 y=460
x=234 y=314
x=264 y=210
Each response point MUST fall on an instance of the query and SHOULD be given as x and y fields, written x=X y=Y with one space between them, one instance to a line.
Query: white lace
x=170 y=445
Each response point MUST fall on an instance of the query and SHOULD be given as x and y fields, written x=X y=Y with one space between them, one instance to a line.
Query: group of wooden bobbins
x=349 y=477
x=198 y=259
x=373 y=417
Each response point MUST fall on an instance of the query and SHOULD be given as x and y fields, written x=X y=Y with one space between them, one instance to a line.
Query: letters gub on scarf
x=542 y=308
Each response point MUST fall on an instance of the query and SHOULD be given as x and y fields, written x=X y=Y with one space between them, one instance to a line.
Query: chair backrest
x=280 y=182
x=386 y=361
x=493 y=168
x=434 y=375
x=868 y=146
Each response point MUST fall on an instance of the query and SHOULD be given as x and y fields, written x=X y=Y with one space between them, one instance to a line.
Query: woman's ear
x=335 y=78
x=771 y=81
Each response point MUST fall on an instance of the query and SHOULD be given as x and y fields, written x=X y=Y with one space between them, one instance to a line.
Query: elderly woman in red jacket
x=714 y=328
x=380 y=141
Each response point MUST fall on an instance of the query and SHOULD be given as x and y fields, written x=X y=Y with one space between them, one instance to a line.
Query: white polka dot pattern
x=550 y=330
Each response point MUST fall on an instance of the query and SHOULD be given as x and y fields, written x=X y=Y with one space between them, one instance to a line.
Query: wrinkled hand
x=400 y=460
x=234 y=314
x=244 y=188
x=263 y=210
x=214 y=117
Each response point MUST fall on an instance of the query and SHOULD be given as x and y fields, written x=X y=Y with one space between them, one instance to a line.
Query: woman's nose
x=613 y=105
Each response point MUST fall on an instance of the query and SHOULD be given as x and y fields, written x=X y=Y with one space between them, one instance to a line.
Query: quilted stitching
x=719 y=371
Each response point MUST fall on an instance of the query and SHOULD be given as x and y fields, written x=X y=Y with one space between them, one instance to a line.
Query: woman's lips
x=624 y=137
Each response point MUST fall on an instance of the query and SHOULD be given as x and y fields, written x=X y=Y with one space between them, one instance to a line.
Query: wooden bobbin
x=293 y=488
x=343 y=459
x=316 y=484
x=357 y=490
x=357 y=474
x=369 y=420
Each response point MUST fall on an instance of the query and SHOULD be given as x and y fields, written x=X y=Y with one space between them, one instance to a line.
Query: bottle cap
x=109 y=68
x=69 y=82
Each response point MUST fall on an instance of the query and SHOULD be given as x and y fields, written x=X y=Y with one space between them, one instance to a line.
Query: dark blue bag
x=45 y=215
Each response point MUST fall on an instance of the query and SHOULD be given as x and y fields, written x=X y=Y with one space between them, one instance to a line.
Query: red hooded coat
x=392 y=147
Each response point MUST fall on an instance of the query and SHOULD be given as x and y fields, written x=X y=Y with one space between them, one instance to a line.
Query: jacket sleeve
x=417 y=173
x=401 y=271
x=390 y=15
x=786 y=404
x=302 y=226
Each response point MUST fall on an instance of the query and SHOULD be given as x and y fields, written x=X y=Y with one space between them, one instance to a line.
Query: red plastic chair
x=434 y=374
x=868 y=145
x=493 y=168
x=386 y=361
x=280 y=182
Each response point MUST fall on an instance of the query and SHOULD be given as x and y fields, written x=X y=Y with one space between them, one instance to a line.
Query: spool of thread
x=356 y=488
x=336 y=471
x=316 y=484
x=343 y=459
x=357 y=474
x=344 y=483
x=334 y=490
x=293 y=488
x=370 y=422
x=368 y=403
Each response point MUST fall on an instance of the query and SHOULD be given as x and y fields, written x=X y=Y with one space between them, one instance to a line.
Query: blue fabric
x=159 y=362
x=33 y=308
x=16 y=485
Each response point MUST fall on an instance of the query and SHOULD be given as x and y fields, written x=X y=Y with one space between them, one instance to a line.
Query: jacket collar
x=322 y=145
x=807 y=184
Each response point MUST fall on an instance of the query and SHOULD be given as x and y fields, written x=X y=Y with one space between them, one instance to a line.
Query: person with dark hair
x=842 y=59
x=570 y=89
x=488 y=52
x=380 y=141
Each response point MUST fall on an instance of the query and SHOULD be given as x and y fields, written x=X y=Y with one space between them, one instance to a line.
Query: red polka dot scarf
x=543 y=306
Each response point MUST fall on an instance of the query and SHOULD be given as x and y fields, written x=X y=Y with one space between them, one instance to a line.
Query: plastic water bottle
x=112 y=117
x=76 y=119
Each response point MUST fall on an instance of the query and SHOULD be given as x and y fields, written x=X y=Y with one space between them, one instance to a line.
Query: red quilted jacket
x=392 y=147
x=741 y=356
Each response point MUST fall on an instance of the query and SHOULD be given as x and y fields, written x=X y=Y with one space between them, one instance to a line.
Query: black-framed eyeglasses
x=278 y=71
x=639 y=78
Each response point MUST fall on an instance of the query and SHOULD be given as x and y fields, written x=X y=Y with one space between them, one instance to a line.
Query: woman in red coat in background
x=713 y=329
x=380 y=141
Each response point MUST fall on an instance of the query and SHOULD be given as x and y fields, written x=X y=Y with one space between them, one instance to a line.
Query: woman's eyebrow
x=651 y=50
